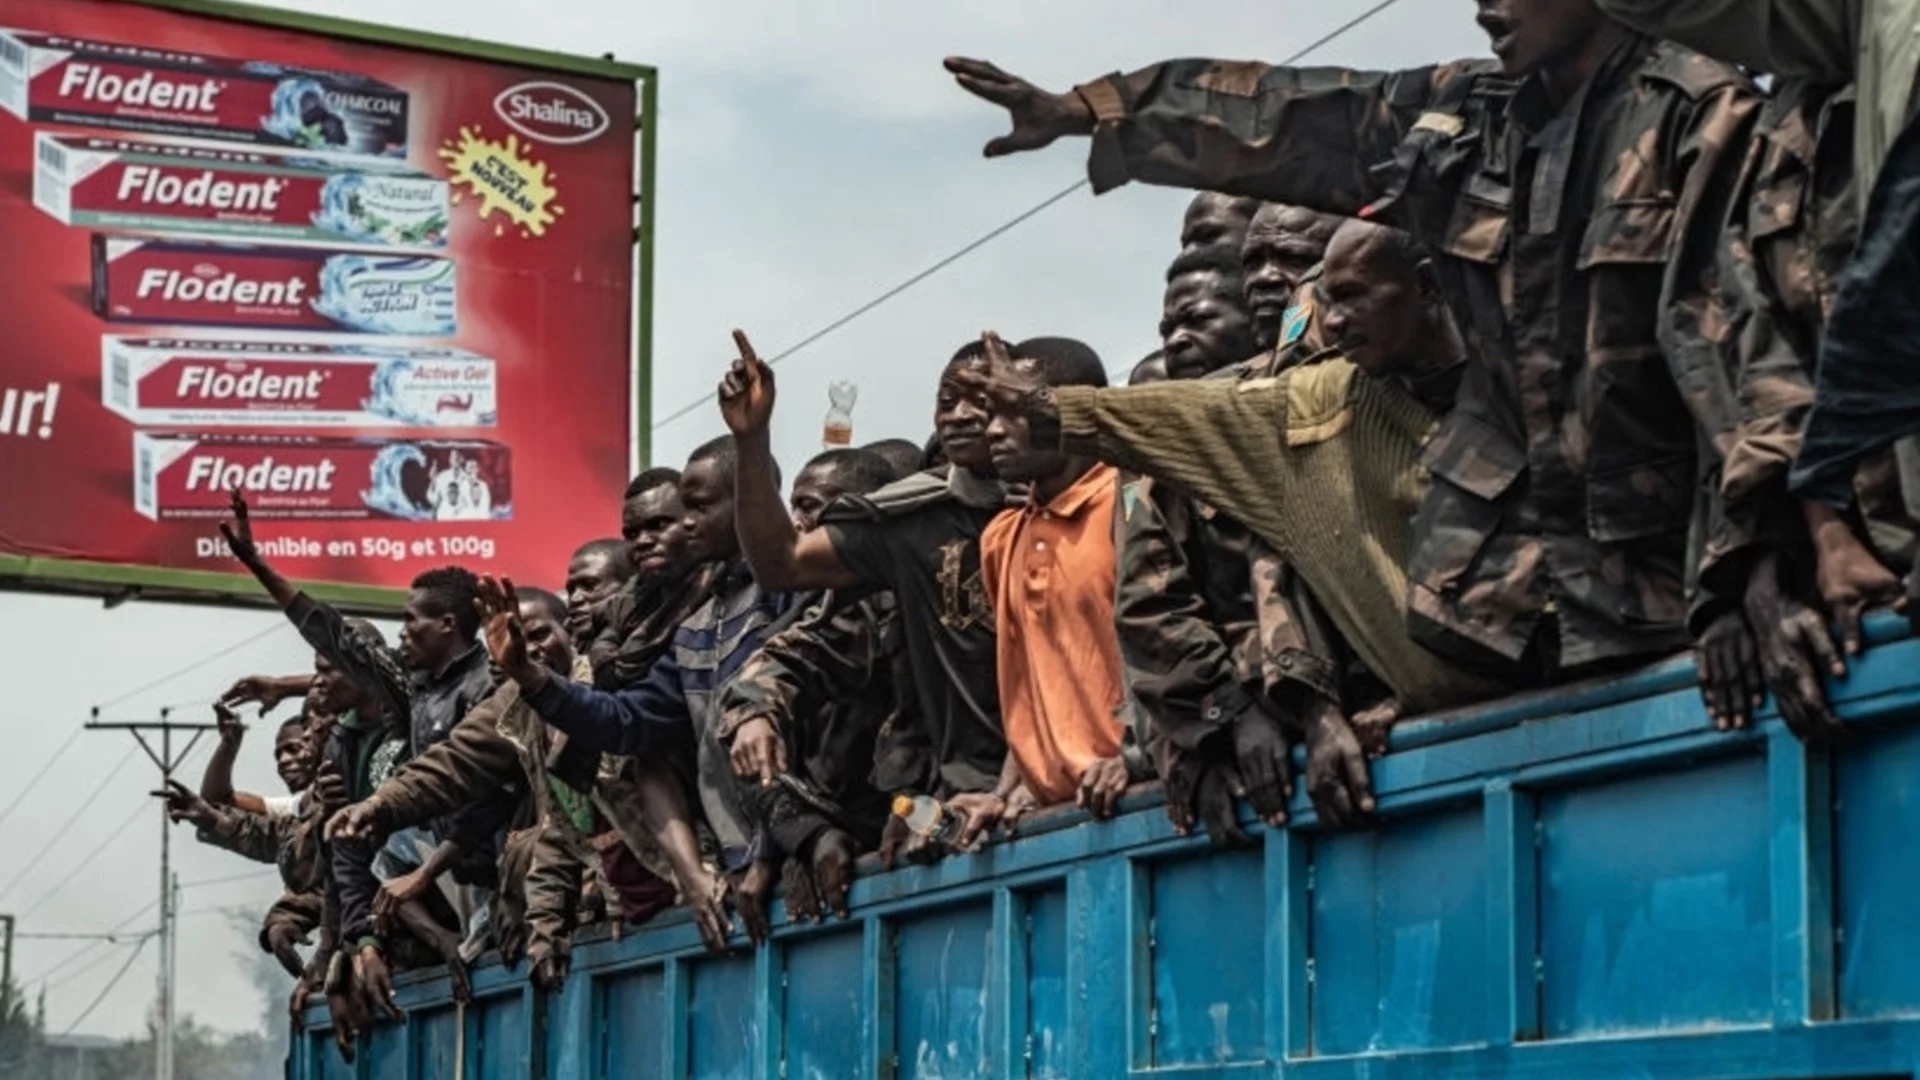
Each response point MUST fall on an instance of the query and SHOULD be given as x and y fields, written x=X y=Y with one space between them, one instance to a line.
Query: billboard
x=384 y=284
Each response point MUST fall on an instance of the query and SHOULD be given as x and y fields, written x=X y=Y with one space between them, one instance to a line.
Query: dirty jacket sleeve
x=1700 y=333
x=1306 y=136
x=1179 y=662
x=553 y=888
x=248 y=835
x=471 y=766
x=373 y=667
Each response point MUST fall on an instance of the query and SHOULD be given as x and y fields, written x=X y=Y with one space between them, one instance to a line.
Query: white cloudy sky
x=811 y=156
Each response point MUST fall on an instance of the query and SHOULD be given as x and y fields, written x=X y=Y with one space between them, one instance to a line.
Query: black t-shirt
x=921 y=539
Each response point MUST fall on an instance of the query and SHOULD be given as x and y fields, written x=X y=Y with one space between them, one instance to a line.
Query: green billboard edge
x=33 y=573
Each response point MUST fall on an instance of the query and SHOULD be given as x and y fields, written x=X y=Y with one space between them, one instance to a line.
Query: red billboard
x=385 y=289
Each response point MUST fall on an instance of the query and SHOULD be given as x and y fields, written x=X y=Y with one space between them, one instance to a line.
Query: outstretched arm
x=782 y=558
x=1305 y=136
x=320 y=624
x=630 y=721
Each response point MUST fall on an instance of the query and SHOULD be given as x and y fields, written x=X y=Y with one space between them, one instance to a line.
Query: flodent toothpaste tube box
x=185 y=477
x=164 y=381
x=160 y=281
x=170 y=187
x=50 y=78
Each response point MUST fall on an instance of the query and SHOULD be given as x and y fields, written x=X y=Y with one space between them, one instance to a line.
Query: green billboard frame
x=119 y=581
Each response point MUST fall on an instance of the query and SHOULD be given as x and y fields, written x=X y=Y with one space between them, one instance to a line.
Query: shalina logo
x=551 y=112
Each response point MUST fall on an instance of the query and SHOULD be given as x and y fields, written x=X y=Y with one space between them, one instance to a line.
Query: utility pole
x=6 y=970
x=166 y=760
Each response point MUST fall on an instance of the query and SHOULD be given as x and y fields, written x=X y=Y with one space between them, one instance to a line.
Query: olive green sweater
x=1323 y=463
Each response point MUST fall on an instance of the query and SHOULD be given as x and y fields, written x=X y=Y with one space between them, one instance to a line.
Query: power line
x=60 y=833
x=195 y=666
x=120 y=926
x=916 y=279
x=108 y=989
x=995 y=233
x=40 y=775
x=139 y=811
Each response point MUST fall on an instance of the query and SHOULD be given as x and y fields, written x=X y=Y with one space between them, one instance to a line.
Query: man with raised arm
x=809 y=714
x=919 y=538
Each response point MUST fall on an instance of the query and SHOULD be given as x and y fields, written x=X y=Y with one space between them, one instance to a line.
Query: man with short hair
x=1216 y=220
x=1223 y=645
x=1320 y=459
x=809 y=714
x=1282 y=254
x=638 y=621
x=1203 y=323
x=1048 y=568
x=919 y=538
x=676 y=708
x=902 y=455
x=598 y=570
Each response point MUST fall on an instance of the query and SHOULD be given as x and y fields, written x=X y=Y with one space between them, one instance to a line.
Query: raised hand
x=1039 y=117
x=1016 y=388
x=262 y=690
x=227 y=723
x=505 y=636
x=183 y=804
x=746 y=394
x=239 y=531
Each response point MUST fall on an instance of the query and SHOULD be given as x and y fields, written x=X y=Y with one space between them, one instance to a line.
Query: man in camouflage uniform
x=1551 y=187
x=1789 y=234
x=1198 y=599
x=804 y=717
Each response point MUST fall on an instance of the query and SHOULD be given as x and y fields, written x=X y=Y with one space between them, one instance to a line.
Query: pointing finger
x=747 y=355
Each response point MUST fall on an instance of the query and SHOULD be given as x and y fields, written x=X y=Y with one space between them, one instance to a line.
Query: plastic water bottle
x=925 y=817
x=837 y=430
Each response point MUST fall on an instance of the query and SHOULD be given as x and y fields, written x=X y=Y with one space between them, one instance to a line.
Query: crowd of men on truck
x=1473 y=378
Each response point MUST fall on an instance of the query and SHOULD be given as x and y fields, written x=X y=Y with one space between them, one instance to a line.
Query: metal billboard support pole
x=169 y=882
x=6 y=971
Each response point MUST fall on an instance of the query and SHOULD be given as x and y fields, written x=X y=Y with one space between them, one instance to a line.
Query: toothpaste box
x=170 y=187
x=289 y=384
x=204 y=284
x=49 y=78
x=183 y=477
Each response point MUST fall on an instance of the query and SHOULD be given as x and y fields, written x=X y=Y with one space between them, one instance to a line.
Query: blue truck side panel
x=1588 y=883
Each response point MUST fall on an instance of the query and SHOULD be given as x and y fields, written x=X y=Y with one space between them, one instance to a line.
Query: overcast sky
x=810 y=157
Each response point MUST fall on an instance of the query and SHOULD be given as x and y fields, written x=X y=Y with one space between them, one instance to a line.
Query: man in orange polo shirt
x=1048 y=568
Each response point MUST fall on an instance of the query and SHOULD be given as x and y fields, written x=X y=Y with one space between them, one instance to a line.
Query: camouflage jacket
x=290 y=843
x=1200 y=629
x=1564 y=479
x=1791 y=231
x=825 y=680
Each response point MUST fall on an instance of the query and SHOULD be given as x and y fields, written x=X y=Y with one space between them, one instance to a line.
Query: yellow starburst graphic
x=503 y=179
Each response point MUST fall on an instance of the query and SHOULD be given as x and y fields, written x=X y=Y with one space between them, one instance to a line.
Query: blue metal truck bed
x=1588 y=882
